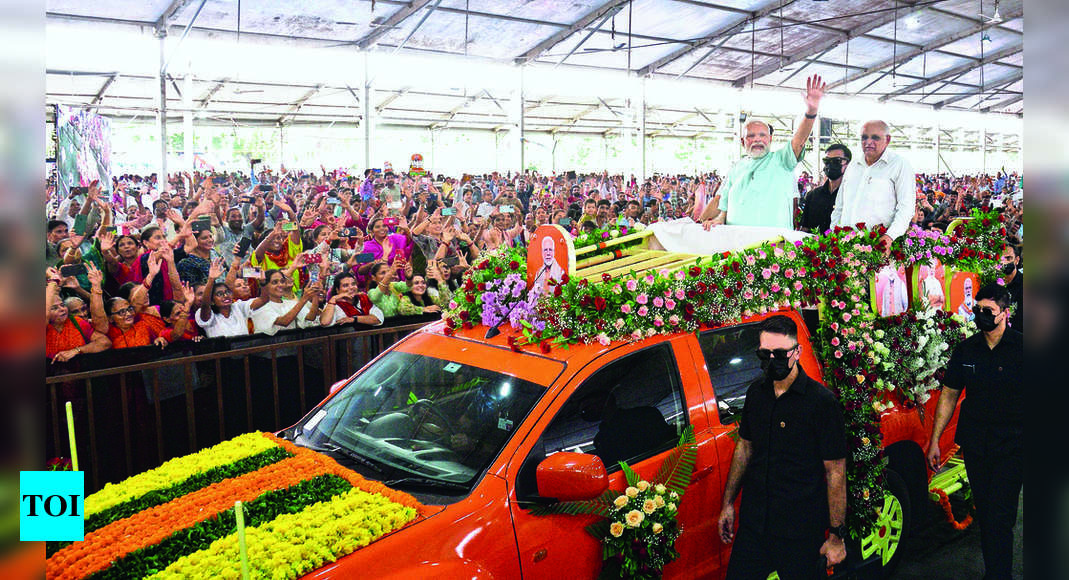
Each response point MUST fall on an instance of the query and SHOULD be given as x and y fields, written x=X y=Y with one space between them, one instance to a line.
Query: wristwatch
x=839 y=531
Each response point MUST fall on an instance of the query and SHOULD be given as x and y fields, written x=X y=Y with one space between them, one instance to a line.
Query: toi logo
x=51 y=505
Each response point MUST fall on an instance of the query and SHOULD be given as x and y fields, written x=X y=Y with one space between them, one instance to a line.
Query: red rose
x=566 y=332
x=544 y=345
x=448 y=331
x=736 y=267
x=688 y=309
x=464 y=315
x=483 y=265
x=606 y=277
x=710 y=271
x=695 y=271
x=564 y=279
x=515 y=348
x=482 y=286
x=728 y=292
x=514 y=265
x=470 y=298
x=469 y=285
x=738 y=285
x=584 y=301
x=498 y=270
x=557 y=291
x=468 y=326
x=599 y=303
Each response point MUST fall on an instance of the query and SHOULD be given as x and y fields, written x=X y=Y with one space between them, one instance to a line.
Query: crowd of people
x=210 y=254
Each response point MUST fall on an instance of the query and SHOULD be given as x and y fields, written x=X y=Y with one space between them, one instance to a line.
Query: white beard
x=757 y=155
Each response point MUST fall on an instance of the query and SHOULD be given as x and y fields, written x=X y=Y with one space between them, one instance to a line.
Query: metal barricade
x=132 y=416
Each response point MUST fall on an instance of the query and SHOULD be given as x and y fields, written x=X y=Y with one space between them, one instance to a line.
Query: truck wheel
x=892 y=527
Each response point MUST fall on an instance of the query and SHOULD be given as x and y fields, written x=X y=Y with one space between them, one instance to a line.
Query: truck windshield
x=419 y=421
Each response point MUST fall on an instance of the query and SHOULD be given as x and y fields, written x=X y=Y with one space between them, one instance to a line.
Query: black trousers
x=996 y=474
x=754 y=555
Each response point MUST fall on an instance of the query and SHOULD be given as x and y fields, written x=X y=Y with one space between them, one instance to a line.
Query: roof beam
x=207 y=99
x=387 y=25
x=396 y=95
x=1008 y=51
x=412 y=32
x=877 y=21
x=104 y=89
x=1006 y=17
x=296 y=108
x=909 y=55
x=1001 y=84
x=1003 y=104
x=714 y=36
x=607 y=8
x=170 y=13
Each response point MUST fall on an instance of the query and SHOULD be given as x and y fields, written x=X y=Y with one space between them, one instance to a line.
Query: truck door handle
x=702 y=474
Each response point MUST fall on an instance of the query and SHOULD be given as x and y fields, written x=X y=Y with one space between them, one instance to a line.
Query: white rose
x=642 y=485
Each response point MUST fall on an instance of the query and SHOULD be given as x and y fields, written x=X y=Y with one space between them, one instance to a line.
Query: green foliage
x=152 y=559
x=632 y=477
x=598 y=506
x=677 y=468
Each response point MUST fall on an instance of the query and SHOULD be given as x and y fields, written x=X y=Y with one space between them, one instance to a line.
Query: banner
x=83 y=149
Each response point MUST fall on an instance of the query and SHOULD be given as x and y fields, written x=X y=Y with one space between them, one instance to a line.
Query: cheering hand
x=814 y=92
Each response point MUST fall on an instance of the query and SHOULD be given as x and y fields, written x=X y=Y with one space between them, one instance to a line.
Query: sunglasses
x=830 y=160
x=780 y=353
x=986 y=310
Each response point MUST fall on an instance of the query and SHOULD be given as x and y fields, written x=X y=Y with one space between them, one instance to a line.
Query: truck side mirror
x=567 y=476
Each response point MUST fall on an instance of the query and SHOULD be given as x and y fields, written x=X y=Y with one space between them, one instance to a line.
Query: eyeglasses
x=872 y=138
x=123 y=312
x=780 y=353
x=986 y=310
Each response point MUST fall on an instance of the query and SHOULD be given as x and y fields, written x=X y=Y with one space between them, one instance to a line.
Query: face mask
x=776 y=369
x=1009 y=268
x=985 y=322
x=833 y=170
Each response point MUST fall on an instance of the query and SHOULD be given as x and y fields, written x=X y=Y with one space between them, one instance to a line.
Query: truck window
x=733 y=366
x=629 y=410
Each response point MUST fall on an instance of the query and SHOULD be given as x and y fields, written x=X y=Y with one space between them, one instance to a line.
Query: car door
x=631 y=378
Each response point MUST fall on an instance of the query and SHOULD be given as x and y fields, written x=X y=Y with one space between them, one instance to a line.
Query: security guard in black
x=789 y=463
x=988 y=366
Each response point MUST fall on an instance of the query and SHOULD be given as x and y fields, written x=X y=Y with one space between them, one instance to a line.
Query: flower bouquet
x=640 y=528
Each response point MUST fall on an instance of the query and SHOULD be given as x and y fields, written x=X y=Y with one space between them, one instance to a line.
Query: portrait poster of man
x=549 y=256
x=961 y=293
x=891 y=296
x=928 y=281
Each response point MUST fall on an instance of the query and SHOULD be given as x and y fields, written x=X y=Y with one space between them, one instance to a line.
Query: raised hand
x=107 y=241
x=216 y=269
x=52 y=275
x=155 y=263
x=814 y=92
x=96 y=277
x=187 y=293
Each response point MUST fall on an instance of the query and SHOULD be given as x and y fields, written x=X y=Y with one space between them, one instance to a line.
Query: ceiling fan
x=995 y=18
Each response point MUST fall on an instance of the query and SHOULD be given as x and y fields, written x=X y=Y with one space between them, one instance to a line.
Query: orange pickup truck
x=470 y=426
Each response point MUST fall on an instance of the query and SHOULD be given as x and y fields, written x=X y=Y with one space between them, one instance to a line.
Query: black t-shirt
x=819 y=204
x=784 y=491
x=994 y=387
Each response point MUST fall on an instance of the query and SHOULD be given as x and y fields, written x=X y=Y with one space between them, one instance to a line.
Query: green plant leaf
x=632 y=477
x=677 y=468
x=599 y=506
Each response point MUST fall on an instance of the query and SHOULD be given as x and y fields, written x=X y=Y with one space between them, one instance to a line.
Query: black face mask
x=833 y=170
x=776 y=369
x=985 y=321
x=1009 y=268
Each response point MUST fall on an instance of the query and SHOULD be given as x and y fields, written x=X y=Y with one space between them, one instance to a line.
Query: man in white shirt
x=878 y=188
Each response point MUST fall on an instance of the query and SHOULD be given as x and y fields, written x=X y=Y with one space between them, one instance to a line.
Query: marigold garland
x=948 y=513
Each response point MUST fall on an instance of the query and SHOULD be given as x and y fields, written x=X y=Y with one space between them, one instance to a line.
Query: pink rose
x=658 y=302
x=642 y=310
x=774 y=268
x=798 y=285
x=838 y=354
x=747 y=295
x=632 y=285
x=750 y=260
x=750 y=277
x=670 y=304
x=619 y=323
x=787 y=292
x=835 y=341
x=774 y=287
x=680 y=274
x=680 y=294
x=846 y=317
x=626 y=309
x=603 y=339
x=673 y=320
x=766 y=273
x=642 y=298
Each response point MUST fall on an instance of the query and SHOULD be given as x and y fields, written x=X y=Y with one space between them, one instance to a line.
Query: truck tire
x=906 y=459
x=893 y=526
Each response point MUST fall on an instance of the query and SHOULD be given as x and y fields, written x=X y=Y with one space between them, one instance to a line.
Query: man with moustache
x=878 y=188
x=760 y=188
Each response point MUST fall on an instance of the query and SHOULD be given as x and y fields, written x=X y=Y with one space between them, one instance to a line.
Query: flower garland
x=640 y=526
x=832 y=269
x=948 y=513
x=182 y=519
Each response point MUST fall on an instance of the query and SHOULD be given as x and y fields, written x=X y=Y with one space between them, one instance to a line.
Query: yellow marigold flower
x=642 y=485
x=631 y=491
x=865 y=493
x=649 y=506
x=620 y=502
x=864 y=440
x=860 y=378
x=634 y=518
x=616 y=529
x=657 y=528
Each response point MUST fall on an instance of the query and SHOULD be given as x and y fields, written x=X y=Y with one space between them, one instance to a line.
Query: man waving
x=759 y=188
